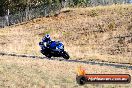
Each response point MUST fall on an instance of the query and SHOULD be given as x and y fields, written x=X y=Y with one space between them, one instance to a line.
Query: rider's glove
x=45 y=44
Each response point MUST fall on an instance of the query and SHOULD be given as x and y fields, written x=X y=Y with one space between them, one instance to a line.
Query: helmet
x=47 y=36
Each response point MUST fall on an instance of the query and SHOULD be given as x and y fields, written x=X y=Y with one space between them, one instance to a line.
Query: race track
x=95 y=62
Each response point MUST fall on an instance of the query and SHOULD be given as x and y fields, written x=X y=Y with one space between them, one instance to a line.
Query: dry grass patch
x=100 y=32
x=37 y=73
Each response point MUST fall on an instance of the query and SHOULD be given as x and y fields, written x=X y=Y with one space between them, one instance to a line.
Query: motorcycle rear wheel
x=48 y=55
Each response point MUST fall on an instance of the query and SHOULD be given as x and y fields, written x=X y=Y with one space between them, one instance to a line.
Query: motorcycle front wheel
x=65 y=55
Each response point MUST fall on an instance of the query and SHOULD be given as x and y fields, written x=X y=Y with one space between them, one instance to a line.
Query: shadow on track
x=116 y=65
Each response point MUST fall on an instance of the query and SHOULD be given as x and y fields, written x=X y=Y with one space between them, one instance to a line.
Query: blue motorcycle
x=55 y=49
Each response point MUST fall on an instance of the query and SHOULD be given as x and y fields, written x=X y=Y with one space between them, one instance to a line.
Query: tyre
x=42 y=52
x=81 y=80
x=65 y=55
x=48 y=55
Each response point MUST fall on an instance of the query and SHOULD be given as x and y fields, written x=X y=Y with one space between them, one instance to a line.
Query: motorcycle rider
x=45 y=41
x=48 y=43
x=51 y=48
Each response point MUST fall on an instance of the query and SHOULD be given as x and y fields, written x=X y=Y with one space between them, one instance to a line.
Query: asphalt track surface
x=95 y=62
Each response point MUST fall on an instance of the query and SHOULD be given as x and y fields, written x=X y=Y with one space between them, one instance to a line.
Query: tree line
x=12 y=6
x=20 y=5
x=86 y=3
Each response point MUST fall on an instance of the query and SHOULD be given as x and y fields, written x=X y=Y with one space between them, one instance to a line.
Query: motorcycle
x=55 y=49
